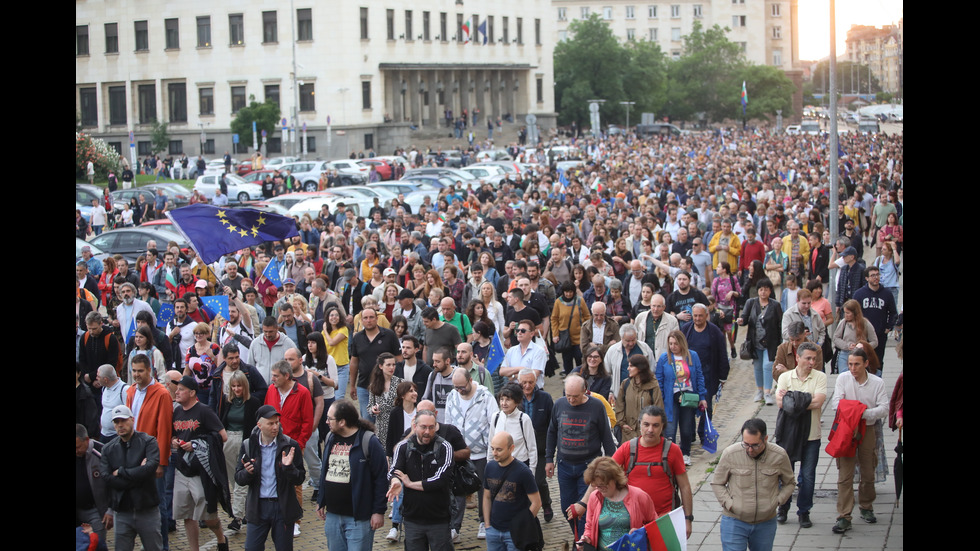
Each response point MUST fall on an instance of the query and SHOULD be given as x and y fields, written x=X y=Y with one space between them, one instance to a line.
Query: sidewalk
x=886 y=534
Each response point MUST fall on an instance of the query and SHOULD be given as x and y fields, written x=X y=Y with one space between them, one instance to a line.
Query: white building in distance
x=378 y=70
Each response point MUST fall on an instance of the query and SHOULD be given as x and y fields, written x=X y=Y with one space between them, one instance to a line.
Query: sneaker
x=805 y=520
x=868 y=515
x=392 y=535
x=842 y=525
x=235 y=525
x=455 y=535
x=687 y=460
x=769 y=400
x=316 y=494
x=758 y=396
x=549 y=513
x=481 y=534
x=296 y=530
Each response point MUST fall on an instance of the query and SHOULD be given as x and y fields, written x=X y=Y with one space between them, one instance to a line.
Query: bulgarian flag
x=597 y=185
x=466 y=32
x=171 y=283
x=667 y=533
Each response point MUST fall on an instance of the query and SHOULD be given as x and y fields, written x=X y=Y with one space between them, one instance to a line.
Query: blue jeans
x=842 y=361
x=97 y=230
x=763 y=368
x=343 y=377
x=499 y=541
x=807 y=479
x=737 y=535
x=362 y=402
x=572 y=486
x=348 y=534
x=683 y=417
x=270 y=521
x=396 y=508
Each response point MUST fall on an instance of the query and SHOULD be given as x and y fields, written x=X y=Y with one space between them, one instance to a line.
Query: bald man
x=509 y=488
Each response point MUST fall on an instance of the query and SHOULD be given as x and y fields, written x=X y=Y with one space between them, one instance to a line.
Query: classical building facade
x=766 y=30
x=881 y=49
x=376 y=70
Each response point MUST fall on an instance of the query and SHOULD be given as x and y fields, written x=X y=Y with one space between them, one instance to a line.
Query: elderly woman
x=638 y=391
x=615 y=508
x=618 y=307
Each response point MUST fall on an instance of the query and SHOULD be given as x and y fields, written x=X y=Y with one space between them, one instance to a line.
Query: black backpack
x=632 y=463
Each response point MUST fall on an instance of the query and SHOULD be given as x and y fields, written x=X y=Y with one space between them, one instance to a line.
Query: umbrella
x=899 y=469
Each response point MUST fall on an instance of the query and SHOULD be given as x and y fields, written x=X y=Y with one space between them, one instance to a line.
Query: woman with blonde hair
x=237 y=414
x=681 y=380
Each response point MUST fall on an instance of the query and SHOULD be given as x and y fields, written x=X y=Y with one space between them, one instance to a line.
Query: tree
x=706 y=77
x=768 y=89
x=265 y=115
x=159 y=137
x=589 y=66
x=645 y=78
x=105 y=158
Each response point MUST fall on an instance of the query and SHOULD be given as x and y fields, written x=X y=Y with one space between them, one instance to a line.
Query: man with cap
x=851 y=276
x=270 y=466
x=129 y=466
x=390 y=276
x=197 y=423
x=413 y=314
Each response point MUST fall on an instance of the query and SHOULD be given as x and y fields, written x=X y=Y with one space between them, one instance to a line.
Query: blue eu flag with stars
x=495 y=356
x=215 y=231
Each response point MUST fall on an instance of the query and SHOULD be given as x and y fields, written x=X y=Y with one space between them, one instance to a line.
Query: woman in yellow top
x=336 y=333
x=370 y=263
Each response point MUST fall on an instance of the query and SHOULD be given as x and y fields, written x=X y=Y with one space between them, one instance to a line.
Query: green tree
x=589 y=66
x=159 y=137
x=706 y=77
x=645 y=78
x=265 y=115
x=768 y=89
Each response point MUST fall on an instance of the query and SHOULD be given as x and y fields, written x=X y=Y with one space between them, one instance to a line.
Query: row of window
x=177 y=101
x=607 y=12
x=697 y=11
x=474 y=31
x=236 y=32
x=176 y=147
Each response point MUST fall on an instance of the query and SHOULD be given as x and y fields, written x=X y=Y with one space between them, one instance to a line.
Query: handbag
x=689 y=399
x=745 y=351
x=465 y=479
x=710 y=441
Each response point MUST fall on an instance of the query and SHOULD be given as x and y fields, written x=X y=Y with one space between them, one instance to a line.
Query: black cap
x=189 y=382
x=266 y=412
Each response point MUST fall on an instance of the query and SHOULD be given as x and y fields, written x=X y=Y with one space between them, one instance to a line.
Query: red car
x=244 y=168
x=383 y=168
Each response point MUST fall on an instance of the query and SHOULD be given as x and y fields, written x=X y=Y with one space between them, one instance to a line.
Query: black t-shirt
x=193 y=423
x=527 y=313
x=512 y=485
x=337 y=488
x=367 y=351
x=677 y=303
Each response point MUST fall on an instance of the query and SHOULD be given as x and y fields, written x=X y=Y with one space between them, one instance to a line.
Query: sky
x=815 y=22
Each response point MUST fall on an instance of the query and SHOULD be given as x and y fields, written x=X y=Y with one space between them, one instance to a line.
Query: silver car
x=239 y=191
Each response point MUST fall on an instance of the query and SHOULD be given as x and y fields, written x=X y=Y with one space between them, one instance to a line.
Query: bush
x=105 y=158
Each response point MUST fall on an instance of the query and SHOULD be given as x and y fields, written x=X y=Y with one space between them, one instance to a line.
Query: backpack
x=632 y=463
x=622 y=392
x=521 y=424
x=120 y=359
x=365 y=444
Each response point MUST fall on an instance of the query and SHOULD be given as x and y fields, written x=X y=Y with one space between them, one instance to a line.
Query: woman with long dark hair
x=383 y=389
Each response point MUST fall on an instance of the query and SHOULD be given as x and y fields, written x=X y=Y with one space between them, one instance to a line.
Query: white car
x=239 y=191
x=486 y=173
x=308 y=173
x=360 y=205
x=793 y=129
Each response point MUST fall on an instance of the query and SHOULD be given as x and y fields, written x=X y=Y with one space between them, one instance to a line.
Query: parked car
x=385 y=171
x=176 y=193
x=123 y=196
x=308 y=172
x=238 y=190
x=131 y=242
x=96 y=251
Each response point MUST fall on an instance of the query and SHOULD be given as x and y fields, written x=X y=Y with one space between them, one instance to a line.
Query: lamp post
x=628 y=104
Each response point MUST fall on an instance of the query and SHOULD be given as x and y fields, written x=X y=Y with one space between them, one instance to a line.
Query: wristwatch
x=689 y=517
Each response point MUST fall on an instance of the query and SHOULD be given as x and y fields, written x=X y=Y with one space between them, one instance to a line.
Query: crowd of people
x=405 y=335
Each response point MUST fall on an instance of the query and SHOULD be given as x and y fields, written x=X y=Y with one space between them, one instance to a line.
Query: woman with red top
x=109 y=273
x=615 y=508
x=267 y=291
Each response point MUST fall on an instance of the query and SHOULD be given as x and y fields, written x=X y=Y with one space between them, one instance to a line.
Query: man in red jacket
x=295 y=407
x=153 y=411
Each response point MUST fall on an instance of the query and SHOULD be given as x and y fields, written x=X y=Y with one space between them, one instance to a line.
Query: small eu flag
x=166 y=314
x=496 y=355
x=272 y=274
x=216 y=306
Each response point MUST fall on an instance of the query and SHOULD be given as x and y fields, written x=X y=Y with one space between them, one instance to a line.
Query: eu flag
x=272 y=274
x=632 y=541
x=130 y=330
x=215 y=231
x=165 y=315
x=215 y=306
x=496 y=355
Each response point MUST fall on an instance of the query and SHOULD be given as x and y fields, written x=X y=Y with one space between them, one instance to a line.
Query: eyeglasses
x=522 y=331
x=594 y=357
x=460 y=388
x=747 y=446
